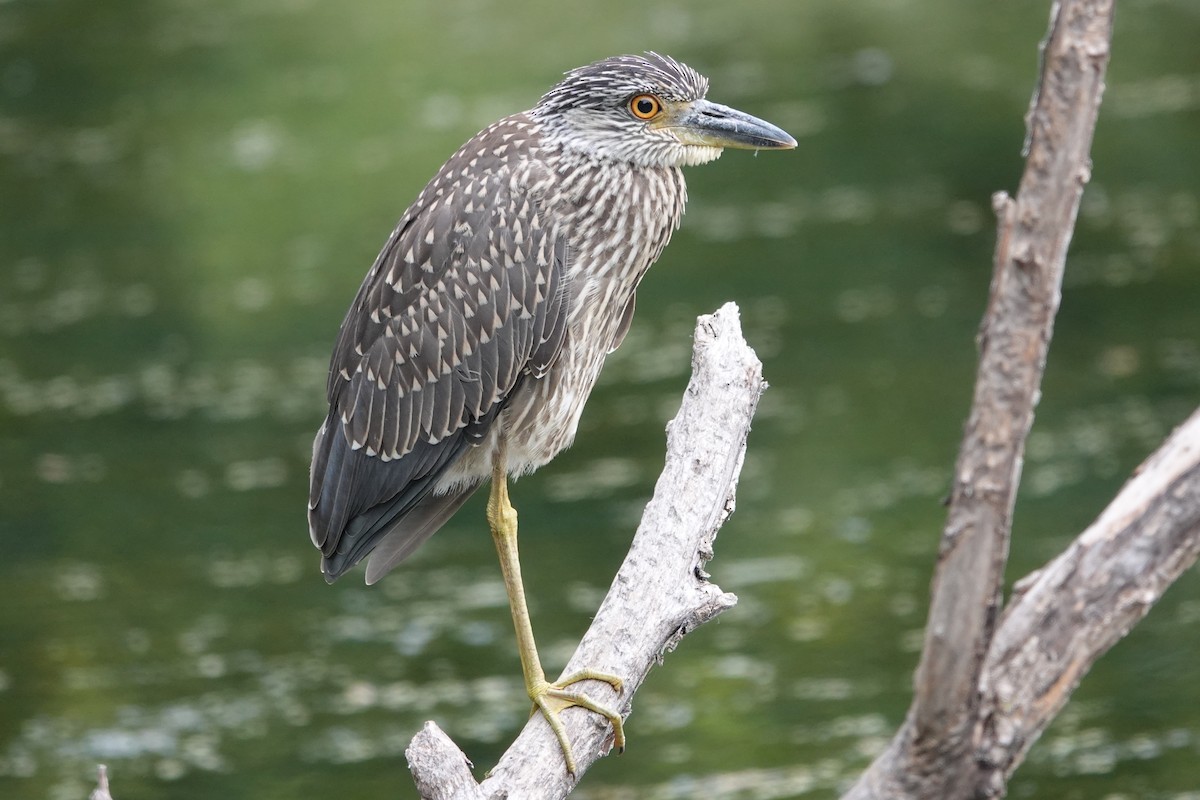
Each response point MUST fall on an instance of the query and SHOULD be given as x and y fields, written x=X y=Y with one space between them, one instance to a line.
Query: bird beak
x=714 y=125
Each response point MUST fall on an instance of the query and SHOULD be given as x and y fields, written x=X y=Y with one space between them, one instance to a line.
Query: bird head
x=649 y=110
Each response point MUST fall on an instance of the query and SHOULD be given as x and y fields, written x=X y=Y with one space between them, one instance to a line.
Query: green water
x=189 y=195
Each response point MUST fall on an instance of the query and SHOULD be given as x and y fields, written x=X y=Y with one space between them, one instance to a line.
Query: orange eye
x=645 y=106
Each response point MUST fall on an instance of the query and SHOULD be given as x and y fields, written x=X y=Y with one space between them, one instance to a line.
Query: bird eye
x=645 y=106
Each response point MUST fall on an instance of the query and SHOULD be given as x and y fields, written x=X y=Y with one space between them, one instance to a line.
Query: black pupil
x=645 y=106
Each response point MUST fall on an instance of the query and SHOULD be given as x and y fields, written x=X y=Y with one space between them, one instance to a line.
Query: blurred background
x=190 y=193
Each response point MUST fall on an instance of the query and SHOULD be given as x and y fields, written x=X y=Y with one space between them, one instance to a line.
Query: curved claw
x=552 y=698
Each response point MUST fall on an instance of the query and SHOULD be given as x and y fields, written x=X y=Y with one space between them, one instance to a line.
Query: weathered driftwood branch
x=661 y=591
x=101 y=790
x=1069 y=613
x=932 y=754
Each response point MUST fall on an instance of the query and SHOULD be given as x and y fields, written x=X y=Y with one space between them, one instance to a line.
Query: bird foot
x=552 y=698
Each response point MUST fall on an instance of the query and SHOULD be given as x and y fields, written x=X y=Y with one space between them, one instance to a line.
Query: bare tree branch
x=439 y=768
x=661 y=591
x=1074 y=609
x=101 y=790
x=931 y=755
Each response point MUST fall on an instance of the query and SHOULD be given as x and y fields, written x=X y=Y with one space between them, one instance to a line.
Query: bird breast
x=618 y=217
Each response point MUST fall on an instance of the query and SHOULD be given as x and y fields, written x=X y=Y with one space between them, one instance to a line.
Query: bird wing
x=463 y=303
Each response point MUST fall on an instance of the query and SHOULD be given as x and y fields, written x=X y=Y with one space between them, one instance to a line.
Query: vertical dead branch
x=931 y=754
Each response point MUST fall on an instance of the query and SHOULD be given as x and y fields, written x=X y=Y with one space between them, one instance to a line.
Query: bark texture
x=1014 y=338
x=982 y=692
x=1066 y=615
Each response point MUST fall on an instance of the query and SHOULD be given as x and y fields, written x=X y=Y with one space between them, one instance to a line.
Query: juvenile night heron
x=479 y=332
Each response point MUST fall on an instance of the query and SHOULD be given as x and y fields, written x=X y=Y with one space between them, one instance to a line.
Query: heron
x=482 y=326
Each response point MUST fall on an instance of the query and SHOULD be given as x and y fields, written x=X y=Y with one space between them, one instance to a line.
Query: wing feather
x=462 y=303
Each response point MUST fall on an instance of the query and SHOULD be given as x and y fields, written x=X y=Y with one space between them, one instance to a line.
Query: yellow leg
x=550 y=698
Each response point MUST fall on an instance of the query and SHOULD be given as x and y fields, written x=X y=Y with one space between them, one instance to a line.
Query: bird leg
x=550 y=698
